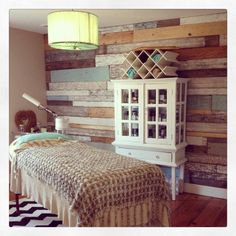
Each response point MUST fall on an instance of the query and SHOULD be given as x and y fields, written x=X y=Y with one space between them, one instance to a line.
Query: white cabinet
x=150 y=121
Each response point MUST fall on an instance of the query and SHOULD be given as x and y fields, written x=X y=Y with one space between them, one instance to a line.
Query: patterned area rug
x=31 y=214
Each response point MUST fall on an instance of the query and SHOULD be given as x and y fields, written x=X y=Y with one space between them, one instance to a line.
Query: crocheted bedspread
x=94 y=180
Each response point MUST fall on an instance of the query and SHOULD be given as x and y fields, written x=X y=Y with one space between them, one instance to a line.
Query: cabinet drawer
x=148 y=156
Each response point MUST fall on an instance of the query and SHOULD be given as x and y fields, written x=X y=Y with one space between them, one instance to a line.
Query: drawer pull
x=157 y=157
x=129 y=153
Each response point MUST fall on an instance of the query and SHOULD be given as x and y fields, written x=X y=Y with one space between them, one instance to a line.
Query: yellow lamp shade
x=72 y=30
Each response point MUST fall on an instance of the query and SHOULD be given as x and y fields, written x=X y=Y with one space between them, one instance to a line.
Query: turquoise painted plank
x=100 y=73
x=219 y=103
x=57 y=98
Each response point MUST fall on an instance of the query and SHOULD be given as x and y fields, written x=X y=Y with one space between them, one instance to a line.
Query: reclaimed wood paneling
x=91 y=132
x=109 y=59
x=207 y=118
x=206 y=158
x=216 y=63
x=219 y=103
x=178 y=43
x=62 y=65
x=208 y=82
x=207 y=91
x=217 y=148
x=202 y=102
x=203 y=19
x=64 y=86
x=198 y=141
x=182 y=31
x=93 y=104
x=100 y=112
x=99 y=127
x=202 y=73
x=91 y=121
x=81 y=75
x=70 y=110
x=212 y=41
x=206 y=127
x=201 y=53
x=206 y=134
x=117 y=37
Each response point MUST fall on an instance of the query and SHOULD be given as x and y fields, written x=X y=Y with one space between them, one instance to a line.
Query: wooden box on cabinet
x=150 y=121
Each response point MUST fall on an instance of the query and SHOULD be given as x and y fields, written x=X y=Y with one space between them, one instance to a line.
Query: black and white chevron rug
x=31 y=214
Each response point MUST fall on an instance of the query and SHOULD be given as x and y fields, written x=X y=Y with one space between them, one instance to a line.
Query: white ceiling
x=35 y=20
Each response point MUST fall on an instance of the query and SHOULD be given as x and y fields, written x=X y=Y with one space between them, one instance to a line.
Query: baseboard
x=205 y=190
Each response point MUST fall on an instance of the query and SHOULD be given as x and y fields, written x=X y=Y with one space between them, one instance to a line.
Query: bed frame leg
x=17 y=203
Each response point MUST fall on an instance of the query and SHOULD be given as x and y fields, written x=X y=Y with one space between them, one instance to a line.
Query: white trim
x=205 y=190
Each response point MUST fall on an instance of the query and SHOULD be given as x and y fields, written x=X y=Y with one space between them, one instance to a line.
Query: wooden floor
x=190 y=210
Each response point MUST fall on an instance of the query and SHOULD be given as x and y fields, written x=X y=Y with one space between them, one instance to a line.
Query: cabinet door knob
x=157 y=157
x=129 y=153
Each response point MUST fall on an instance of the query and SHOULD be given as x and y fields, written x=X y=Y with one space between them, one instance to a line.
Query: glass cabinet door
x=157 y=113
x=130 y=112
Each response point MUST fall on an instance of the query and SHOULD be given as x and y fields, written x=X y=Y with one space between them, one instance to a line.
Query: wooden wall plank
x=102 y=139
x=59 y=103
x=212 y=41
x=99 y=127
x=203 y=18
x=91 y=121
x=92 y=98
x=202 y=73
x=206 y=158
x=70 y=110
x=206 y=134
x=219 y=103
x=116 y=37
x=223 y=40
x=101 y=112
x=59 y=65
x=67 y=93
x=58 y=98
x=202 y=102
x=217 y=148
x=198 y=141
x=169 y=22
x=109 y=59
x=207 y=91
x=201 y=53
x=183 y=31
x=206 y=127
x=91 y=132
x=65 y=86
x=68 y=55
x=208 y=82
x=81 y=75
x=93 y=104
x=203 y=167
x=179 y=43
x=207 y=118
x=216 y=63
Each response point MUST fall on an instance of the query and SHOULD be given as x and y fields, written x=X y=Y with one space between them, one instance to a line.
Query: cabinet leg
x=173 y=182
x=181 y=179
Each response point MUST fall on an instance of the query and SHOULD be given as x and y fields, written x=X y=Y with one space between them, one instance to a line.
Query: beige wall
x=26 y=74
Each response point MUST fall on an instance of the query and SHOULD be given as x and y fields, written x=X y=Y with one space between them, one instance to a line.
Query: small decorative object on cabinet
x=150 y=116
x=150 y=63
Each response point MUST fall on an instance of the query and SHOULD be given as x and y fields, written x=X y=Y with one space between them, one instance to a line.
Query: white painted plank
x=63 y=93
x=93 y=104
x=203 y=18
x=91 y=121
x=109 y=59
x=206 y=91
x=78 y=85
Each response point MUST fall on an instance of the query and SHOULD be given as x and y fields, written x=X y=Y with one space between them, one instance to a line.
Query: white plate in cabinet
x=148 y=156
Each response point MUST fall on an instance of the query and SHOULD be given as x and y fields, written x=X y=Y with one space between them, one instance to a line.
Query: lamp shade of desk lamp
x=73 y=30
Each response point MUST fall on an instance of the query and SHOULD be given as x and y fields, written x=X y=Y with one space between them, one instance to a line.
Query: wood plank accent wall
x=87 y=98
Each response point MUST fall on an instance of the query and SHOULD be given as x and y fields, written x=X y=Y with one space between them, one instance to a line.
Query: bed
x=86 y=186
